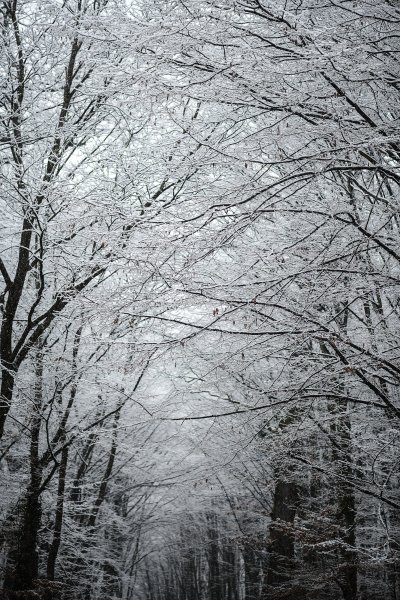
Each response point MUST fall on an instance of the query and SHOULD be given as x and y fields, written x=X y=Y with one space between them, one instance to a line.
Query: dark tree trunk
x=230 y=579
x=346 y=503
x=214 y=579
x=55 y=545
x=281 y=543
x=23 y=559
x=253 y=581
x=107 y=474
x=6 y=393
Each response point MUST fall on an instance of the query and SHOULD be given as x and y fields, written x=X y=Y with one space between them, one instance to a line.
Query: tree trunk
x=281 y=544
x=23 y=559
x=6 y=393
x=214 y=582
x=252 y=573
x=55 y=545
x=346 y=503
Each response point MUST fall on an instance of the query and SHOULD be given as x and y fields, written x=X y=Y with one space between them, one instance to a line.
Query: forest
x=200 y=300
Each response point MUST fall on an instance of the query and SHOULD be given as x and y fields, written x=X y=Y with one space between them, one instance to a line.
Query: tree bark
x=23 y=559
x=55 y=545
x=281 y=543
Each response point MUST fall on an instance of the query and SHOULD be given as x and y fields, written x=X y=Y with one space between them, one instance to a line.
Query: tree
x=202 y=198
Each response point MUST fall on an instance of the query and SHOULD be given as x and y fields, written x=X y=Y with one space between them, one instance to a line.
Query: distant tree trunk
x=252 y=570
x=281 y=543
x=214 y=576
x=190 y=587
x=346 y=503
x=343 y=461
x=86 y=455
x=230 y=580
x=281 y=546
